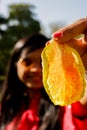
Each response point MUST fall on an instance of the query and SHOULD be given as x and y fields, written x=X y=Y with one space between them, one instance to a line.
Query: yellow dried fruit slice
x=63 y=73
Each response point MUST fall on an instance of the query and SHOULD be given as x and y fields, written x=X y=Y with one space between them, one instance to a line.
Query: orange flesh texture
x=63 y=73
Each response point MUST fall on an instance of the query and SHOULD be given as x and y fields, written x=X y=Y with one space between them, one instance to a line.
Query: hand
x=68 y=35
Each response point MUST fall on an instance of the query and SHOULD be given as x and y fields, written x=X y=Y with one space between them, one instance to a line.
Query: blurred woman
x=24 y=104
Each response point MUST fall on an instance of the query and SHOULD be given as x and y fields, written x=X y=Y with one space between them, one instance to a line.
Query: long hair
x=13 y=89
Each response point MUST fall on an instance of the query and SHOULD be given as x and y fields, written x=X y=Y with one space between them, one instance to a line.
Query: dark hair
x=13 y=97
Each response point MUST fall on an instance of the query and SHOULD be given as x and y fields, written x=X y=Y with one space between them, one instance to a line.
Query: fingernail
x=57 y=35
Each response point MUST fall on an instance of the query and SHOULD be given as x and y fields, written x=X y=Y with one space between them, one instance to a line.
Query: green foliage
x=20 y=22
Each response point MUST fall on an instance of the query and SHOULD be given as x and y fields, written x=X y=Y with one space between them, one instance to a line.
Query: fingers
x=85 y=36
x=67 y=33
x=84 y=56
x=78 y=44
x=81 y=46
x=84 y=59
x=47 y=43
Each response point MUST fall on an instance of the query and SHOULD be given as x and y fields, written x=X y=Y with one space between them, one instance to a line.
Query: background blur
x=19 y=18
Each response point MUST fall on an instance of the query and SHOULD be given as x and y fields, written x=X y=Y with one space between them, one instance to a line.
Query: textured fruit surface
x=63 y=73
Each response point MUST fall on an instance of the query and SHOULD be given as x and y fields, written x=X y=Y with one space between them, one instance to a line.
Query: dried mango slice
x=63 y=73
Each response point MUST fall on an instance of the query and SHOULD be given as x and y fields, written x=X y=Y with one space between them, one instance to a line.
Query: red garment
x=74 y=117
x=28 y=120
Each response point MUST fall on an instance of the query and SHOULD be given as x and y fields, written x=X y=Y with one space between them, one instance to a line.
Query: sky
x=52 y=11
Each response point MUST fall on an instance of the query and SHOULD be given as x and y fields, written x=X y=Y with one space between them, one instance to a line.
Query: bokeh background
x=19 y=18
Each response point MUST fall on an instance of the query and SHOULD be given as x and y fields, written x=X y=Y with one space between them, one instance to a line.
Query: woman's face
x=29 y=69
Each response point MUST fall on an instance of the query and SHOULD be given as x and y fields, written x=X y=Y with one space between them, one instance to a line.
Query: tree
x=21 y=21
x=2 y=22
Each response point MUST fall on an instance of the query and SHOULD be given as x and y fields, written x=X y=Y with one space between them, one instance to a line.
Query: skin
x=29 y=70
x=69 y=34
